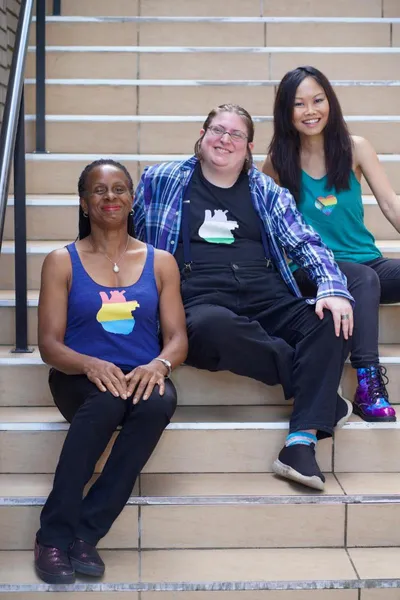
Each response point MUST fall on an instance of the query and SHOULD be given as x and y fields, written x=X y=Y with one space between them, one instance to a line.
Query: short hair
x=248 y=121
x=84 y=221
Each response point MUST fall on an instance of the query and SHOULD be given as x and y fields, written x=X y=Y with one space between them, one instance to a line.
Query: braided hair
x=84 y=221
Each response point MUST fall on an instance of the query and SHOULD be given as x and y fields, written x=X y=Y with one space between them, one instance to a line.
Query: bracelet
x=167 y=364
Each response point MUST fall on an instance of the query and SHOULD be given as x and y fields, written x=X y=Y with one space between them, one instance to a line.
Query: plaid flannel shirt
x=158 y=212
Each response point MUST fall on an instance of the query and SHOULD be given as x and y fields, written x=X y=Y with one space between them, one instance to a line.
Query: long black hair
x=284 y=149
x=84 y=221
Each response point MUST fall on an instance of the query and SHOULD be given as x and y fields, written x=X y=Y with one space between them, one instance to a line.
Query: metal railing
x=12 y=147
x=12 y=142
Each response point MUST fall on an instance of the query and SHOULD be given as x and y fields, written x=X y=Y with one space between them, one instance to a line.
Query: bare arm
x=269 y=170
x=367 y=159
x=143 y=379
x=53 y=307
x=172 y=314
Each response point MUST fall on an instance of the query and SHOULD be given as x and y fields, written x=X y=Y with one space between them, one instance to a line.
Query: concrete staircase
x=207 y=519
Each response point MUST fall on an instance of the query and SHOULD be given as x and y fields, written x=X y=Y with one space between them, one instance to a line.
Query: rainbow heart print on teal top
x=115 y=314
x=326 y=205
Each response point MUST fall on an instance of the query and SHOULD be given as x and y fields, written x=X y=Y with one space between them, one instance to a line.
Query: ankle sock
x=301 y=437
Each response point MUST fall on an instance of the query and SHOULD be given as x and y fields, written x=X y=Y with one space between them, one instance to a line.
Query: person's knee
x=160 y=407
x=104 y=408
x=361 y=279
x=212 y=323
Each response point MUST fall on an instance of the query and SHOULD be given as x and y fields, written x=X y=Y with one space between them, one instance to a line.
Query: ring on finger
x=345 y=317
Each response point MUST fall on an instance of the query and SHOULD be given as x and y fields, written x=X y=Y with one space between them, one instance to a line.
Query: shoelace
x=377 y=381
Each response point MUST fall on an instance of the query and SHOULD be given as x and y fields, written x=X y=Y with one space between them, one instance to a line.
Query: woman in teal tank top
x=314 y=156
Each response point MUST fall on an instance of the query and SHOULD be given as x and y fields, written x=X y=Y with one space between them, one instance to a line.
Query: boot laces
x=377 y=380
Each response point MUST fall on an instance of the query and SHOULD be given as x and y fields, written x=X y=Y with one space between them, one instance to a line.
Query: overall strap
x=187 y=255
x=265 y=243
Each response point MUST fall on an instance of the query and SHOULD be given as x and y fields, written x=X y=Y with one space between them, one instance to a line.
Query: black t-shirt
x=224 y=226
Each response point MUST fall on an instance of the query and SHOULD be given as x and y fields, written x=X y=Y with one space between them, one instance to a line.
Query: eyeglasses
x=236 y=136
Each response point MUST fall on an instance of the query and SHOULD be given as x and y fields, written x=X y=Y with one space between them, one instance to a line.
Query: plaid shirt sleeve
x=304 y=246
x=139 y=211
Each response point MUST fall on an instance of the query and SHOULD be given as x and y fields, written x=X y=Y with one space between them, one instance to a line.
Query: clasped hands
x=139 y=382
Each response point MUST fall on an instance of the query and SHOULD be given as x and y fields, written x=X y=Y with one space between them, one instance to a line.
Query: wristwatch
x=167 y=364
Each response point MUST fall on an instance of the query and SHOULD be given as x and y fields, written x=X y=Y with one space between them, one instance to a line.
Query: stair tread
x=197 y=569
x=274 y=417
x=32 y=488
x=7 y=298
x=201 y=566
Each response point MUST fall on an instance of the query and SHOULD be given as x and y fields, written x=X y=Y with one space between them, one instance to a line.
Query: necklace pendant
x=116 y=268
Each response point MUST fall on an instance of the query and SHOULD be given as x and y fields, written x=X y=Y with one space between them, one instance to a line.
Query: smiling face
x=225 y=152
x=107 y=199
x=311 y=108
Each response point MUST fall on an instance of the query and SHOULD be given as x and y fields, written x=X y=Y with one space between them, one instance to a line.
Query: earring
x=131 y=213
x=85 y=214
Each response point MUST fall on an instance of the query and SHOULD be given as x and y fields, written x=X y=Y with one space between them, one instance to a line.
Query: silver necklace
x=115 y=263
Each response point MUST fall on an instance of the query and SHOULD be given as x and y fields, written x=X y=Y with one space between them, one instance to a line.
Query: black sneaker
x=298 y=463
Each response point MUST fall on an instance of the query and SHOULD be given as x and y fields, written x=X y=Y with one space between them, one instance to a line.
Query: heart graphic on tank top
x=326 y=205
x=115 y=314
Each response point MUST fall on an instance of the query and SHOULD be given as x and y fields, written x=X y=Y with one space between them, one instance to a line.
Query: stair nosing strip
x=224 y=49
x=208 y=586
x=202 y=426
x=230 y=500
x=207 y=82
x=187 y=118
x=211 y=19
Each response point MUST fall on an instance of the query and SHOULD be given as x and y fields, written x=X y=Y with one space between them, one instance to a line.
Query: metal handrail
x=12 y=105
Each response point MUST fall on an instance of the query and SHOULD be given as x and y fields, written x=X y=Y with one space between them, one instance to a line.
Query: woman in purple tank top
x=101 y=302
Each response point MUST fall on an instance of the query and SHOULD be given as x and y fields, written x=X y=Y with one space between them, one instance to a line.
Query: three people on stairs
x=209 y=239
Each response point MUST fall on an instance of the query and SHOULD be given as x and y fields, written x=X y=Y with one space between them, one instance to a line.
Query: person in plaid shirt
x=231 y=229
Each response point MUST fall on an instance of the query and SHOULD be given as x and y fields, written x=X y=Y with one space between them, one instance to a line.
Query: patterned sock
x=301 y=437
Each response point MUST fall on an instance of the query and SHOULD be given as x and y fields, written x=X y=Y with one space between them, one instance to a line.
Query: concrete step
x=152 y=62
x=195 y=387
x=188 y=97
x=69 y=167
x=175 y=134
x=222 y=511
x=37 y=251
x=205 y=440
x=227 y=8
x=86 y=31
x=309 y=574
x=389 y=322
x=56 y=218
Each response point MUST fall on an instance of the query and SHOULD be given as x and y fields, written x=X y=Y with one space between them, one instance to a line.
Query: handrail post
x=12 y=105
x=41 y=76
x=56 y=8
x=21 y=293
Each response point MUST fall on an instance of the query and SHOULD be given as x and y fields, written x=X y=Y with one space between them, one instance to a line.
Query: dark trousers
x=94 y=416
x=371 y=283
x=242 y=318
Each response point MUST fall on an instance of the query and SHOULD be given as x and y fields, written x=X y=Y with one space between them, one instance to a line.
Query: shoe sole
x=289 y=473
x=55 y=579
x=84 y=569
x=342 y=422
x=368 y=419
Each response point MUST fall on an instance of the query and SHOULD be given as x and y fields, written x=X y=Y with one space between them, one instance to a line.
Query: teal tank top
x=338 y=217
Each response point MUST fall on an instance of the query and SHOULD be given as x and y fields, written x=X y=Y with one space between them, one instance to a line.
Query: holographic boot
x=371 y=400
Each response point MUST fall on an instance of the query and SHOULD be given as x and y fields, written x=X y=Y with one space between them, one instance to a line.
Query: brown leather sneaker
x=85 y=559
x=53 y=565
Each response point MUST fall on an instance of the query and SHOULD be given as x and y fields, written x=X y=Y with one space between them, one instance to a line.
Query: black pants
x=371 y=283
x=242 y=318
x=94 y=416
